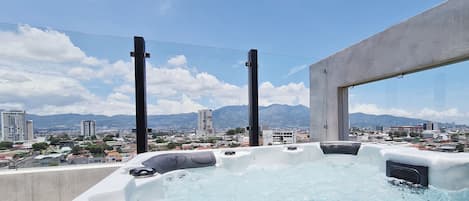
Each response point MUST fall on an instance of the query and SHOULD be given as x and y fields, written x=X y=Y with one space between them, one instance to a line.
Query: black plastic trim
x=292 y=148
x=174 y=161
x=230 y=153
x=340 y=147
x=142 y=172
x=412 y=173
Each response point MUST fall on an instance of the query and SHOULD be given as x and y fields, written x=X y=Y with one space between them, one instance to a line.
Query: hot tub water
x=335 y=178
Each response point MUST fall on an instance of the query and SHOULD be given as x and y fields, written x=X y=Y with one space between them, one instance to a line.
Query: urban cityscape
x=21 y=147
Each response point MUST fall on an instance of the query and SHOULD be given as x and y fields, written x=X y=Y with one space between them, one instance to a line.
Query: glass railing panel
x=198 y=96
x=64 y=97
x=426 y=108
x=69 y=97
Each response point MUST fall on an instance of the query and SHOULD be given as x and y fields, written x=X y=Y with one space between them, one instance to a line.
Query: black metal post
x=253 y=99
x=140 y=93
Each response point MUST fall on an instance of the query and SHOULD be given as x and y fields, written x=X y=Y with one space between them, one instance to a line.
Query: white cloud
x=33 y=44
x=11 y=106
x=49 y=51
x=445 y=115
x=117 y=103
x=168 y=82
x=292 y=94
x=179 y=60
x=183 y=105
x=116 y=96
x=374 y=109
x=43 y=72
x=126 y=89
x=81 y=73
x=37 y=89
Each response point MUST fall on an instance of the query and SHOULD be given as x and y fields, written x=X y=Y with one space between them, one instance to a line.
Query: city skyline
x=95 y=71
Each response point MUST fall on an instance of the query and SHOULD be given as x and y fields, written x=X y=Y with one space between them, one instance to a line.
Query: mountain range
x=274 y=116
x=226 y=117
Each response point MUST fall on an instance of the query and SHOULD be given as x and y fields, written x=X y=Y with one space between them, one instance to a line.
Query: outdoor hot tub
x=301 y=172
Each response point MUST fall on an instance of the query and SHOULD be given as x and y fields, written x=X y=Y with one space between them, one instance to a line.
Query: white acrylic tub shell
x=448 y=171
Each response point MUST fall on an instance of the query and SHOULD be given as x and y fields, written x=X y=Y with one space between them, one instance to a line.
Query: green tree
x=97 y=149
x=235 y=131
x=63 y=136
x=40 y=146
x=80 y=138
x=239 y=130
x=107 y=147
x=159 y=140
x=108 y=138
x=233 y=145
x=6 y=145
x=416 y=140
x=402 y=134
x=54 y=140
x=76 y=150
x=212 y=139
x=93 y=137
x=20 y=155
x=172 y=145
x=460 y=147
x=455 y=137
x=231 y=132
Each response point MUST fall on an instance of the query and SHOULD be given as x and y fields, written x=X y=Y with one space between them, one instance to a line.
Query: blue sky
x=203 y=44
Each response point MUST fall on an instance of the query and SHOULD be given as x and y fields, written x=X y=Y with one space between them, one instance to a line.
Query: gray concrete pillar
x=434 y=38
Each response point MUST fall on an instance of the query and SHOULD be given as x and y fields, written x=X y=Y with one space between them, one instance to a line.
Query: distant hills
x=363 y=120
x=274 y=116
x=226 y=117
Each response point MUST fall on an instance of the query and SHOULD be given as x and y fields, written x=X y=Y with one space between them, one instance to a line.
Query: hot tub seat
x=174 y=161
x=340 y=147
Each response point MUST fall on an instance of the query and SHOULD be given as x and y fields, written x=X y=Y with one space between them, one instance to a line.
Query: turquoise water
x=332 y=179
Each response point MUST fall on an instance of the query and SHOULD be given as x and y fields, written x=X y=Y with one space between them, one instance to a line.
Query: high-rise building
x=13 y=126
x=379 y=128
x=29 y=130
x=88 y=128
x=205 y=124
x=429 y=126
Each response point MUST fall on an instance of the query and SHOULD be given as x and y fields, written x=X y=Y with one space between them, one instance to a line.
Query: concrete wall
x=51 y=184
x=434 y=38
